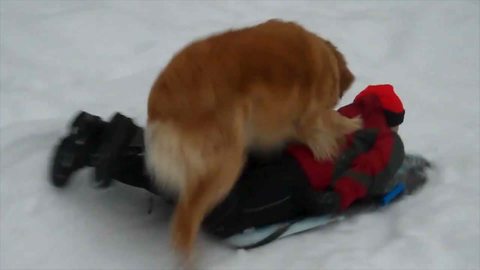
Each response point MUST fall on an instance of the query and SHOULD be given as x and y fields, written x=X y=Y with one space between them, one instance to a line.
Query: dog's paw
x=325 y=146
x=182 y=239
x=183 y=233
x=326 y=154
x=184 y=264
x=351 y=125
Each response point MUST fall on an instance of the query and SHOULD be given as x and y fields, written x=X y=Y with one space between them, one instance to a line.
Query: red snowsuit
x=370 y=157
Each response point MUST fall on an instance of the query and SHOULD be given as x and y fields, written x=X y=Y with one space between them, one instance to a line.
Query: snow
x=57 y=57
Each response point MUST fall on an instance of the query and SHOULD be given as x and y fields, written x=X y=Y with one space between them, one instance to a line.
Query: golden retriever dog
x=219 y=97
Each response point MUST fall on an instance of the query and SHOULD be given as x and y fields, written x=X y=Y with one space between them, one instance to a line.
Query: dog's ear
x=346 y=76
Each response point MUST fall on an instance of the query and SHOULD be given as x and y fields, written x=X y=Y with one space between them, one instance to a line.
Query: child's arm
x=371 y=171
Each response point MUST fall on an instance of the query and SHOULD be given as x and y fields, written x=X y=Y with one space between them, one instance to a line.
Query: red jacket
x=371 y=155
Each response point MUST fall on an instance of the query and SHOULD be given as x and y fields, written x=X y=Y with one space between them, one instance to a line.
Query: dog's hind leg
x=202 y=193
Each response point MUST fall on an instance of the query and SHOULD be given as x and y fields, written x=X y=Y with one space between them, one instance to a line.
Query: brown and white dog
x=250 y=88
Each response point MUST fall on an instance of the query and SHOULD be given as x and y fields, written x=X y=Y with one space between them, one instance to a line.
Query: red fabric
x=376 y=159
x=349 y=190
x=369 y=163
x=385 y=92
x=319 y=172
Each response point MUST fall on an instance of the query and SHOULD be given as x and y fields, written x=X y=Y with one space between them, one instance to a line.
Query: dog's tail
x=201 y=165
x=168 y=157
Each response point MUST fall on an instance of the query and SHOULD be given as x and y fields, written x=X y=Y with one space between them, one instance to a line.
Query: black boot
x=121 y=158
x=114 y=141
x=74 y=150
x=130 y=164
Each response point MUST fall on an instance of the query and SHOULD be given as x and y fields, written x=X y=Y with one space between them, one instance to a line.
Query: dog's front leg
x=325 y=132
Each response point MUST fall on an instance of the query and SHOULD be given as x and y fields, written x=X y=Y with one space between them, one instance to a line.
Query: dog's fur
x=252 y=88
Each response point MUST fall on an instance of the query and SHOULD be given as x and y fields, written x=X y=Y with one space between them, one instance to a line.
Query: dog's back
x=214 y=73
x=271 y=73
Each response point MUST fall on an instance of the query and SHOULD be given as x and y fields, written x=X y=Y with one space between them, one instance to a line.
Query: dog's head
x=346 y=77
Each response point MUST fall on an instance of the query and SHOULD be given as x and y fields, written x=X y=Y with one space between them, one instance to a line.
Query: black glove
x=413 y=172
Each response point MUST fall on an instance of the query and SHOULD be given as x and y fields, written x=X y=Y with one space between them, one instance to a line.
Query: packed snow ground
x=59 y=57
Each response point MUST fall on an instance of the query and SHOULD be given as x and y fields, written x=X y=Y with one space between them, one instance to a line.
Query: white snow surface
x=58 y=57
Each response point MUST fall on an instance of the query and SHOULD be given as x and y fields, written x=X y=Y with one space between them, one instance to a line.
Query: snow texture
x=58 y=57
